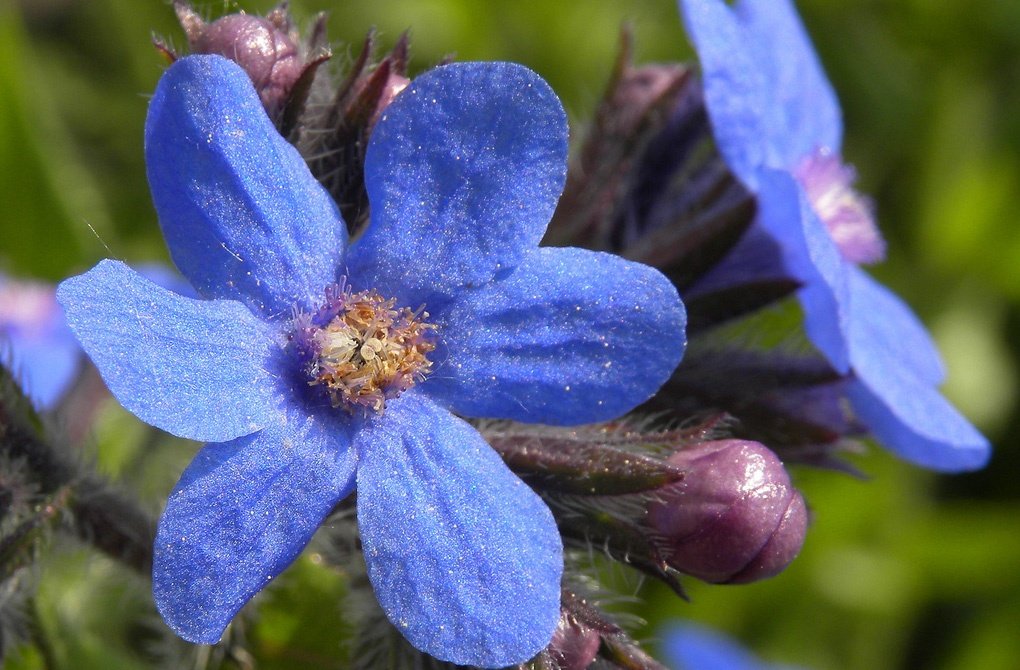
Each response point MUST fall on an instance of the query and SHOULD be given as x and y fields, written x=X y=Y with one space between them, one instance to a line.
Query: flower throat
x=361 y=349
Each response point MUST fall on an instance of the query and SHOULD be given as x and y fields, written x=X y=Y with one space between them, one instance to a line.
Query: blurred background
x=904 y=570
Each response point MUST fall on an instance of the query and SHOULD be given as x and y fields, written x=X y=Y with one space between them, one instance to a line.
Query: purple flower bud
x=267 y=48
x=734 y=518
x=259 y=45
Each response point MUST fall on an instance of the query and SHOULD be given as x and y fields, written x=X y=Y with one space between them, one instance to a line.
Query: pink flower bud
x=265 y=51
x=734 y=518
x=265 y=47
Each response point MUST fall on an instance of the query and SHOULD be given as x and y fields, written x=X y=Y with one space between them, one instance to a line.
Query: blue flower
x=692 y=647
x=35 y=342
x=778 y=125
x=313 y=366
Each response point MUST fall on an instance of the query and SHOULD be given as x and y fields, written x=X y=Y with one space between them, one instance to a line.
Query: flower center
x=847 y=214
x=361 y=349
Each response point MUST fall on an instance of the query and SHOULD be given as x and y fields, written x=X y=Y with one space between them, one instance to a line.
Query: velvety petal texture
x=569 y=337
x=464 y=558
x=241 y=513
x=769 y=99
x=463 y=174
x=882 y=321
x=195 y=368
x=243 y=217
x=36 y=343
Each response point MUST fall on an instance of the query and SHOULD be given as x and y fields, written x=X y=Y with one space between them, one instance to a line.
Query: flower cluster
x=374 y=344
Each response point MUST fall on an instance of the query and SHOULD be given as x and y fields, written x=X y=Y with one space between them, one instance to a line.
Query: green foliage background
x=906 y=570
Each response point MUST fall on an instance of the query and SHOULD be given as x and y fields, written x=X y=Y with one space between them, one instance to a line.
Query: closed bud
x=267 y=48
x=573 y=645
x=734 y=518
x=586 y=637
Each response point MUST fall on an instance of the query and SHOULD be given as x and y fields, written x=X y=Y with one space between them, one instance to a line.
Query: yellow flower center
x=362 y=350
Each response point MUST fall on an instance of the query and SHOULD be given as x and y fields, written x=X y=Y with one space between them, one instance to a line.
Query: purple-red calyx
x=574 y=645
x=734 y=518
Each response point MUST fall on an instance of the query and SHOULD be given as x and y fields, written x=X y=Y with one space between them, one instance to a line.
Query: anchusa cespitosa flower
x=313 y=366
x=778 y=124
x=372 y=313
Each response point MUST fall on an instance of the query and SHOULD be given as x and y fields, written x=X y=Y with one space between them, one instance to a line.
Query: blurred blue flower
x=691 y=647
x=778 y=125
x=312 y=367
x=35 y=342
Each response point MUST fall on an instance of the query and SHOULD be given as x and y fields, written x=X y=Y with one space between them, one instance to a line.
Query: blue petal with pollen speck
x=240 y=212
x=195 y=368
x=569 y=337
x=465 y=558
x=463 y=174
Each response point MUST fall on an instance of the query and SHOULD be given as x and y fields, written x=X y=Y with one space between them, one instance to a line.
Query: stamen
x=362 y=350
x=848 y=215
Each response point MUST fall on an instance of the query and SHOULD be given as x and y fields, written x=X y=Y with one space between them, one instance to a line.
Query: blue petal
x=243 y=217
x=46 y=363
x=897 y=368
x=736 y=88
x=463 y=173
x=197 y=369
x=692 y=647
x=910 y=418
x=768 y=97
x=812 y=258
x=756 y=257
x=464 y=558
x=35 y=343
x=810 y=117
x=884 y=322
x=570 y=336
x=241 y=513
